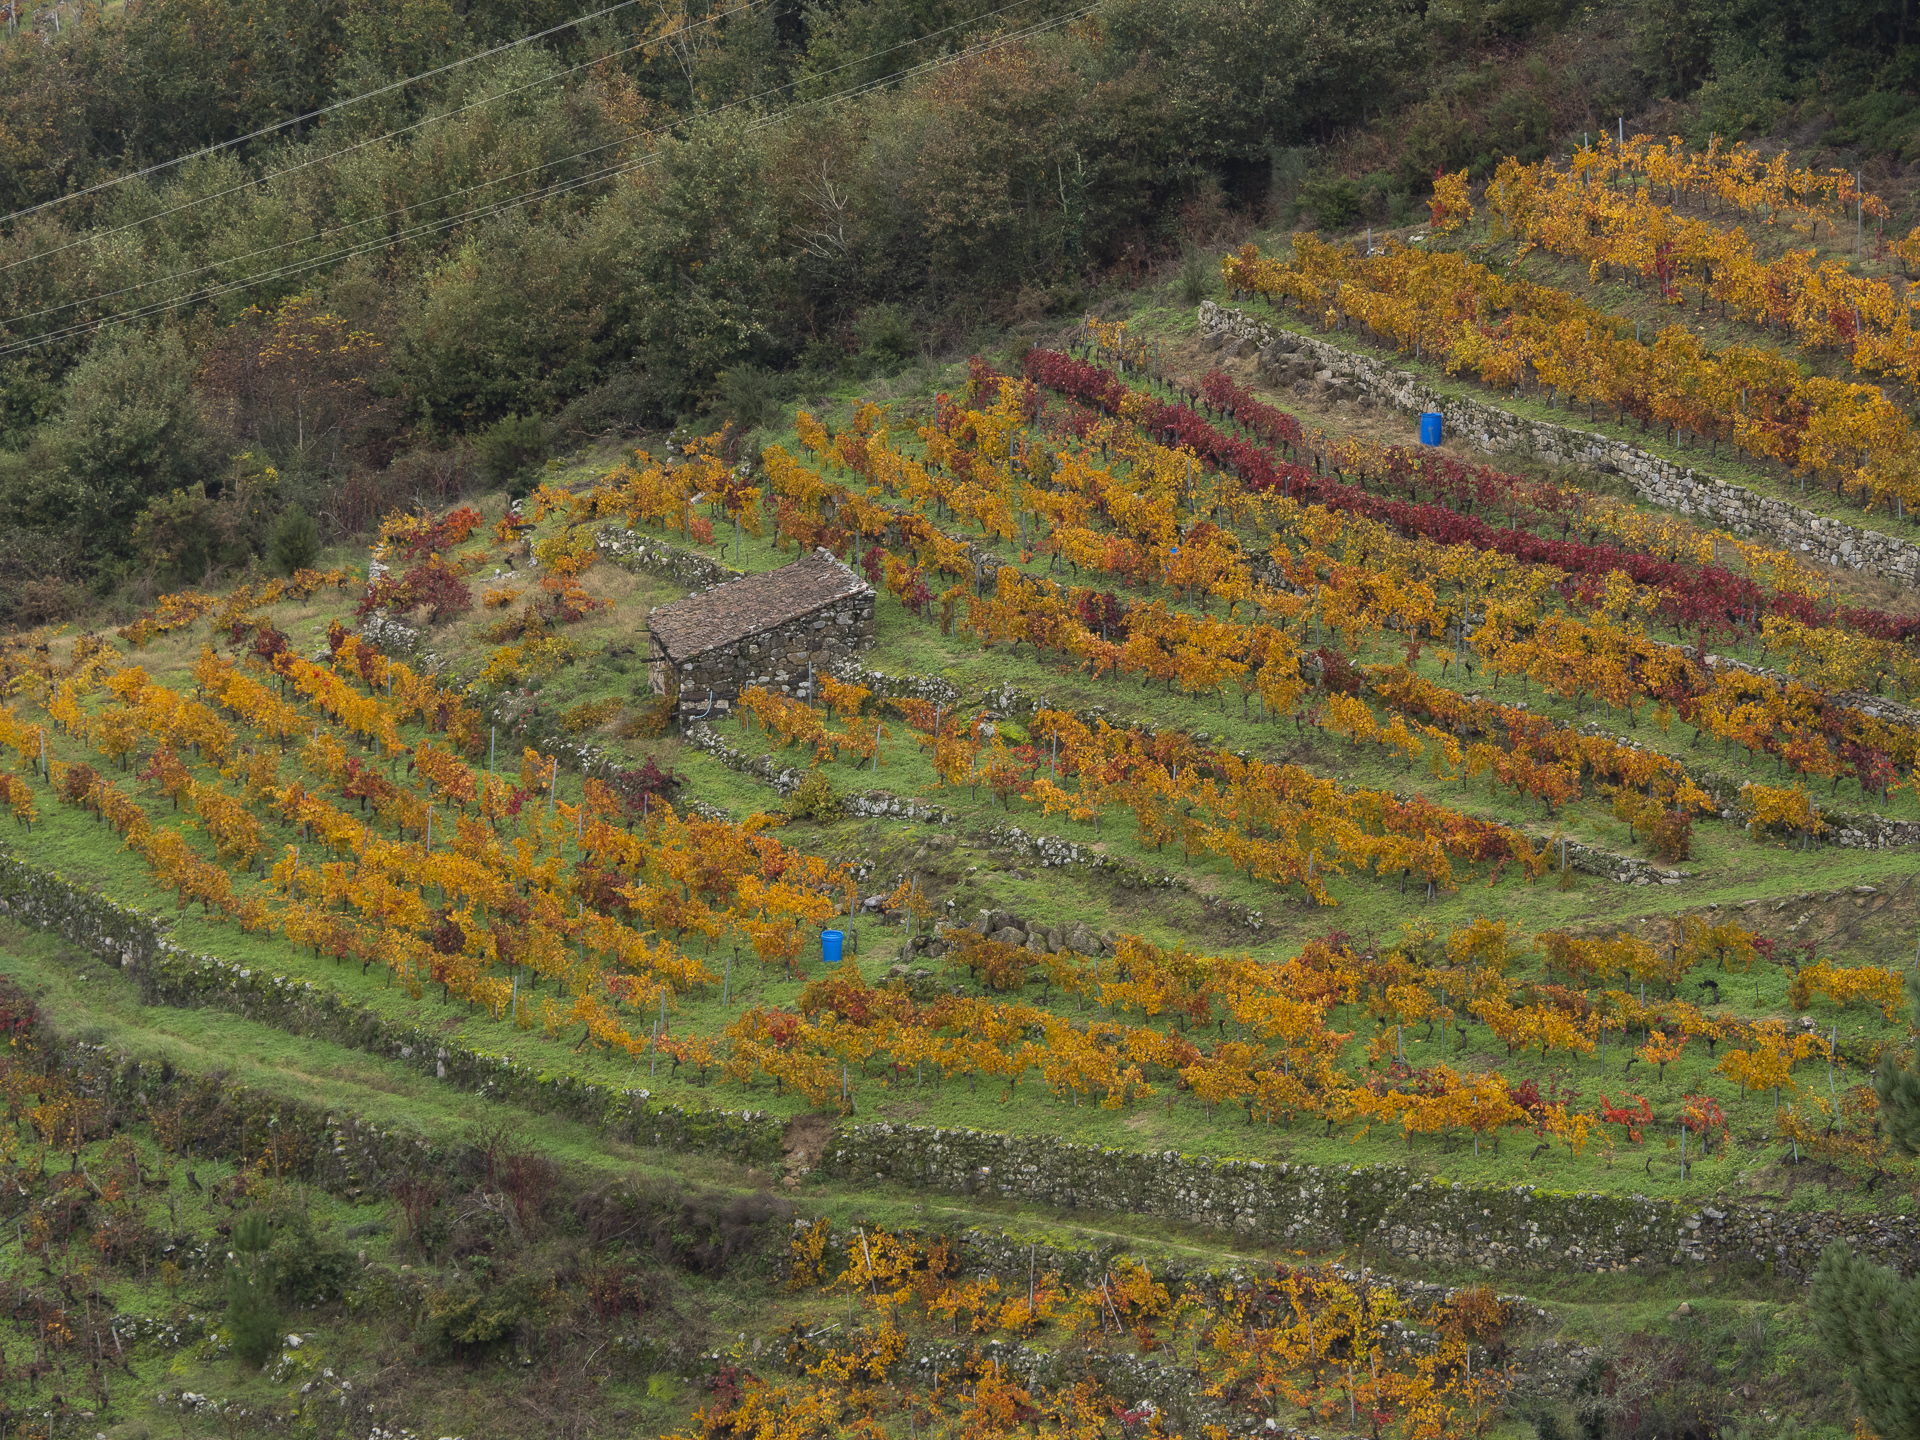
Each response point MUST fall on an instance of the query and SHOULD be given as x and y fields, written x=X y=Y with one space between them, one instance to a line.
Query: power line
x=578 y=182
x=373 y=94
x=526 y=197
x=248 y=184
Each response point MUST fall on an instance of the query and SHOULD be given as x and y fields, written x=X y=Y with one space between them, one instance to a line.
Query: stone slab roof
x=753 y=603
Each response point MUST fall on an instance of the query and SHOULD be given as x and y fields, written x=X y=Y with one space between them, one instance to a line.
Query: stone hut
x=762 y=630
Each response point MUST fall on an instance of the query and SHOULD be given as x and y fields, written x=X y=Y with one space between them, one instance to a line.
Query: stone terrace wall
x=1384 y=1207
x=129 y=939
x=633 y=550
x=1389 y=1208
x=777 y=658
x=1656 y=481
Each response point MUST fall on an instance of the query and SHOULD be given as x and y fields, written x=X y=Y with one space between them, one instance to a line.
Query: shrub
x=1197 y=277
x=635 y=788
x=475 y=1313
x=588 y=714
x=886 y=338
x=1338 y=673
x=814 y=798
x=294 y=543
x=307 y=1267
x=747 y=396
x=433 y=585
x=77 y=784
x=1672 y=835
x=508 y=448
x=1334 y=200
x=622 y=403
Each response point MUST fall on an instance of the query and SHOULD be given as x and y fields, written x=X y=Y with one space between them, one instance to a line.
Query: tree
x=515 y=321
x=698 y=255
x=1869 y=1320
x=253 y=1321
x=297 y=383
x=1243 y=76
x=994 y=163
x=131 y=430
x=295 y=541
x=1898 y=1087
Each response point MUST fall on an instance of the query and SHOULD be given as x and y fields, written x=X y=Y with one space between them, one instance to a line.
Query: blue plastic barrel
x=1430 y=427
x=831 y=942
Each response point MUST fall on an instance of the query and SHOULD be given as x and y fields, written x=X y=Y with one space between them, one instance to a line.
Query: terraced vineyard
x=1216 y=784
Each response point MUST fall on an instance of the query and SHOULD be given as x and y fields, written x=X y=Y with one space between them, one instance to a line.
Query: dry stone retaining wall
x=1389 y=1208
x=876 y=804
x=1656 y=480
x=170 y=975
x=1385 y=1207
x=635 y=551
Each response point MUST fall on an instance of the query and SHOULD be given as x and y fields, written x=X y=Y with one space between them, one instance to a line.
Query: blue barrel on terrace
x=1430 y=427
x=832 y=942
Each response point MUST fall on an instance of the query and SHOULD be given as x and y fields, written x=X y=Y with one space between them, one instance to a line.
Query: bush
x=1742 y=98
x=1333 y=199
x=294 y=543
x=509 y=448
x=78 y=783
x=1337 y=673
x=1519 y=124
x=1197 y=276
x=588 y=715
x=814 y=798
x=886 y=338
x=1672 y=835
x=475 y=1313
x=172 y=532
x=308 y=1268
x=623 y=403
x=1882 y=122
x=433 y=585
x=747 y=397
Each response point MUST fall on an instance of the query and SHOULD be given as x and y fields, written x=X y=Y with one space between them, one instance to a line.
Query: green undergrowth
x=373 y=1290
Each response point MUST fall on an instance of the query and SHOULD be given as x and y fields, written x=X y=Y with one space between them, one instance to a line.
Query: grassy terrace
x=1780 y=891
x=1633 y=303
x=1857 y=908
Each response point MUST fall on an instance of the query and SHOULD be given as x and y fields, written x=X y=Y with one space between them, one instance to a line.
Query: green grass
x=1730 y=870
x=1748 y=1325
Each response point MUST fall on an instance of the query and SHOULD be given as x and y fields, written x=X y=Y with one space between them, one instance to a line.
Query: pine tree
x=253 y=1321
x=1899 y=1088
x=1869 y=1319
